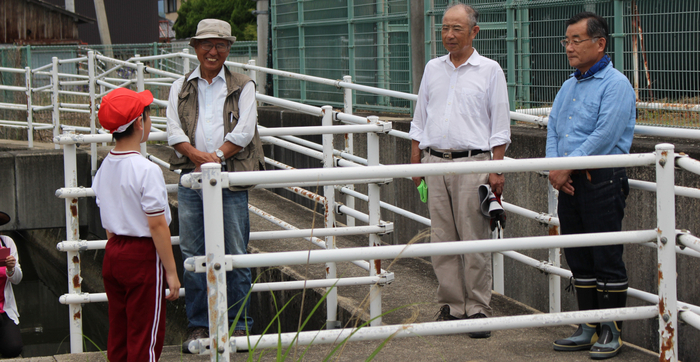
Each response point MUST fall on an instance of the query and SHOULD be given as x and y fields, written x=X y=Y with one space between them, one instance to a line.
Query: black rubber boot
x=586 y=334
x=610 y=295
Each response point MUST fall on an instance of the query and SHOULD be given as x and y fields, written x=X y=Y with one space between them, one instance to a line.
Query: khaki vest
x=250 y=158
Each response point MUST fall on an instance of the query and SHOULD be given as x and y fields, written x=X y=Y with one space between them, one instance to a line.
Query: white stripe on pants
x=453 y=201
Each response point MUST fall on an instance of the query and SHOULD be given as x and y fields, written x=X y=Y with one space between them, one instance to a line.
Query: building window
x=170 y=6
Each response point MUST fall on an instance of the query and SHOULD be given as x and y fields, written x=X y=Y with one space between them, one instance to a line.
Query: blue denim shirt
x=592 y=116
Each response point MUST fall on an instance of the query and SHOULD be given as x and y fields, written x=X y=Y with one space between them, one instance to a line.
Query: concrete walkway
x=413 y=291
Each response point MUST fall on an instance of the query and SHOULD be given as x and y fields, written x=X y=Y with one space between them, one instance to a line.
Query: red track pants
x=133 y=276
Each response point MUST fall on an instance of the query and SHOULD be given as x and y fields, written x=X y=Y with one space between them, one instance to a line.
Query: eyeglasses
x=565 y=43
x=220 y=47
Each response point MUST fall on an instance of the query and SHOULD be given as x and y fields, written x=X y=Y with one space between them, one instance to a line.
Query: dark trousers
x=598 y=205
x=10 y=337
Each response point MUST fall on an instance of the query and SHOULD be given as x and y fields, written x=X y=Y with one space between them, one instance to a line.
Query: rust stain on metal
x=378 y=265
x=554 y=230
x=667 y=346
x=328 y=270
x=74 y=207
x=308 y=194
x=76 y=259
x=666 y=352
x=211 y=278
x=664 y=153
x=76 y=281
x=76 y=316
x=661 y=277
x=212 y=311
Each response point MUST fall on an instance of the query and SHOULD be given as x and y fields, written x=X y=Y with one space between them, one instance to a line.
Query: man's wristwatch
x=220 y=154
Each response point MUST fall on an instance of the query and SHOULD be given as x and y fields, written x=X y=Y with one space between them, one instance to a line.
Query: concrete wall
x=529 y=190
x=28 y=185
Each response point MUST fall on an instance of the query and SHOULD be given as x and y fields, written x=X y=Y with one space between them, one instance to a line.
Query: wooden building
x=129 y=21
x=38 y=22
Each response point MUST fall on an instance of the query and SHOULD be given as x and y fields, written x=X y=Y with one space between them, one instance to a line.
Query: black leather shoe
x=484 y=334
x=444 y=314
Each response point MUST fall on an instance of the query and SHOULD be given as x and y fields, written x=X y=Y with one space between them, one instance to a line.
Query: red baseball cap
x=121 y=107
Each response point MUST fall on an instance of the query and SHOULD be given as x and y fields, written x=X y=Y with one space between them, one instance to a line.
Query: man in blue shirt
x=593 y=114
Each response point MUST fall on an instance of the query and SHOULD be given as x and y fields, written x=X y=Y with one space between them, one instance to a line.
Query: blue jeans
x=236 y=233
x=598 y=205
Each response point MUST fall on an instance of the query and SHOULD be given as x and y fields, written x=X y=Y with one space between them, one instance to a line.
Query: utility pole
x=103 y=27
x=262 y=14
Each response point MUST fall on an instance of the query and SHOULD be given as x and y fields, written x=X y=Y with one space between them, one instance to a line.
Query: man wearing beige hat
x=212 y=117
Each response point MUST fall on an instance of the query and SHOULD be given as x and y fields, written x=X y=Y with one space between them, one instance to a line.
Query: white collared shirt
x=129 y=189
x=463 y=108
x=209 y=134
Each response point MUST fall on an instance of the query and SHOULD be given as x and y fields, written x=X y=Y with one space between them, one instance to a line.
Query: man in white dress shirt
x=212 y=117
x=462 y=115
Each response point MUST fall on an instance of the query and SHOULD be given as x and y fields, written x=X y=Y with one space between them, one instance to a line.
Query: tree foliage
x=236 y=12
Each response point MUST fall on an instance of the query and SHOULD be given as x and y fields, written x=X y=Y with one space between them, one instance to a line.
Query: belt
x=584 y=172
x=452 y=155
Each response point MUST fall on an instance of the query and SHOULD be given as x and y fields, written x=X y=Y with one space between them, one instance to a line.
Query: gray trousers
x=453 y=200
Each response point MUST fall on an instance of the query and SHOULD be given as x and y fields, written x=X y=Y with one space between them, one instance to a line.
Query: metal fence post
x=93 y=111
x=252 y=73
x=302 y=50
x=216 y=265
x=510 y=40
x=524 y=55
x=73 y=257
x=29 y=56
x=619 y=35
x=429 y=19
x=497 y=267
x=140 y=86
x=349 y=148
x=666 y=226
x=554 y=254
x=185 y=62
x=329 y=193
x=30 y=112
x=374 y=211
x=382 y=50
x=54 y=98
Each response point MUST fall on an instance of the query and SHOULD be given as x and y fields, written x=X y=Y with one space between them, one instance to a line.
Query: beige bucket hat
x=213 y=29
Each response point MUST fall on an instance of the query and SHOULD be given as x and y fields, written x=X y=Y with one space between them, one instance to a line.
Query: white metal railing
x=409 y=171
x=333 y=177
x=666 y=302
x=383 y=252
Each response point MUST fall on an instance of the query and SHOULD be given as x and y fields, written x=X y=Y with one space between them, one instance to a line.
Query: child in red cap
x=133 y=201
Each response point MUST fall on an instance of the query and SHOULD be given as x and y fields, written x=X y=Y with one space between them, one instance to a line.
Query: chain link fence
x=654 y=43
x=366 y=39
